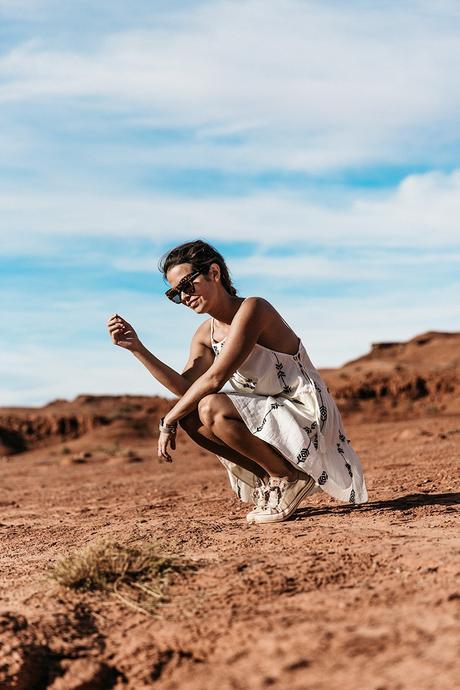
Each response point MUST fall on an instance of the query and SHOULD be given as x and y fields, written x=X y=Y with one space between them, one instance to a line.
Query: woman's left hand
x=166 y=440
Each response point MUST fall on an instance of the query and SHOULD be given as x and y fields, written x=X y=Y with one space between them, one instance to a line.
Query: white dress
x=283 y=400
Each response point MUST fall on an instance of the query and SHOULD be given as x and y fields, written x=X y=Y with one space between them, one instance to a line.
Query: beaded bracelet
x=167 y=428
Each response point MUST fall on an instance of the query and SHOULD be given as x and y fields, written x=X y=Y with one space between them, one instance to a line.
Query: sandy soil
x=338 y=597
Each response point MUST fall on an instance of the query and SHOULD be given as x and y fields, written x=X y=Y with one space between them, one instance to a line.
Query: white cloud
x=324 y=85
x=423 y=211
x=272 y=85
x=363 y=265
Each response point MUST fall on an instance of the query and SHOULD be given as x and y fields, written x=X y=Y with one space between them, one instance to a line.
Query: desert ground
x=337 y=597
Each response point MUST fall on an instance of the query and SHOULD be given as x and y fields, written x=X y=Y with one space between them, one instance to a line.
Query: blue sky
x=316 y=144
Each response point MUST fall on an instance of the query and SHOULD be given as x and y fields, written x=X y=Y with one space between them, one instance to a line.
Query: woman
x=279 y=432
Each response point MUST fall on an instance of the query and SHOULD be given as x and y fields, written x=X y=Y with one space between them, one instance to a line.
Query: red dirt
x=338 y=597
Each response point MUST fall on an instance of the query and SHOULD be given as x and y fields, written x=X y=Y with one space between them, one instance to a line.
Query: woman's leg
x=203 y=435
x=218 y=414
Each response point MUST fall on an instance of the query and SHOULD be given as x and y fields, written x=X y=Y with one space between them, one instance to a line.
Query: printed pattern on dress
x=217 y=348
x=281 y=374
x=303 y=455
x=342 y=437
x=248 y=383
x=244 y=381
x=297 y=359
x=290 y=383
x=322 y=479
x=342 y=453
x=312 y=434
x=322 y=406
x=273 y=406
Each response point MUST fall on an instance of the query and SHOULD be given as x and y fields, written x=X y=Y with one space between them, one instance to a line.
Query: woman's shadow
x=402 y=503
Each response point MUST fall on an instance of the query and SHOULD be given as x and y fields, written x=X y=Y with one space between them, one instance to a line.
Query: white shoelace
x=275 y=492
x=260 y=496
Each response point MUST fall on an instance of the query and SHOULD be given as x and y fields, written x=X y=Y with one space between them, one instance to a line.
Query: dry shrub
x=136 y=575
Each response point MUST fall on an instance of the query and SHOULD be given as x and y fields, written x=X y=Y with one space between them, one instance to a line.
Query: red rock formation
x=26 y=428
x=418 y=378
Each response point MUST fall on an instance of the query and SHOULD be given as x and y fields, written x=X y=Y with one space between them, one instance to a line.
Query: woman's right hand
x=123 y=334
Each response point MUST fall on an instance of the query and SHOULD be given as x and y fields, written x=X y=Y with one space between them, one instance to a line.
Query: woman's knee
x=209 y=408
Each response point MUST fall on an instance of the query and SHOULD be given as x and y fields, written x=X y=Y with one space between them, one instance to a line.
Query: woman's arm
x=249 y=322
x=164 y=374
x=200 y=358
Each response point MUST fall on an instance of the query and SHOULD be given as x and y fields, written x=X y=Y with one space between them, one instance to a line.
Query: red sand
x=339 y=597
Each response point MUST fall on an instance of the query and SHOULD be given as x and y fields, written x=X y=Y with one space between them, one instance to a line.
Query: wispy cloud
x=324 y=85
x=315 y=142
x=422 y=211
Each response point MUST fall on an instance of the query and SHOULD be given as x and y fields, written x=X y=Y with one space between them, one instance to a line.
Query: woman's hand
x=166 y=439
x=123 y=334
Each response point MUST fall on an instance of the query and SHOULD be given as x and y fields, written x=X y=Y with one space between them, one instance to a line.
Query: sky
x=315 y=144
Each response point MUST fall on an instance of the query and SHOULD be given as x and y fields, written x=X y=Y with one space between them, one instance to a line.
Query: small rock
x=79 y=459
x=407 y=434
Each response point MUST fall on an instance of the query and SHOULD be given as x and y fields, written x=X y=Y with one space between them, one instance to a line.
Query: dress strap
x=212 y=330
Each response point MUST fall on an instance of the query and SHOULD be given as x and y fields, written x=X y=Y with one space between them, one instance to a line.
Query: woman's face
x=204 y=287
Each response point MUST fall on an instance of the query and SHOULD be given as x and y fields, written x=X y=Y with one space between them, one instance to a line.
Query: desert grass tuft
x=136 y=575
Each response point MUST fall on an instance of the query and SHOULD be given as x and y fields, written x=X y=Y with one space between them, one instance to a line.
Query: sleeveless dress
x=283 y=400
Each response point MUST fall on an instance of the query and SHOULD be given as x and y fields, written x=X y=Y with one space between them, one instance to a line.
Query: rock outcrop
x=23 y=429
x=417 y=378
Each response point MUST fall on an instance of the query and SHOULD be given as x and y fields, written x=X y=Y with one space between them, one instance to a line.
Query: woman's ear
x=214 y=272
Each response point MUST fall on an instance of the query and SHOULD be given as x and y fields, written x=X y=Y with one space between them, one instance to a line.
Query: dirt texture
x=337 y=597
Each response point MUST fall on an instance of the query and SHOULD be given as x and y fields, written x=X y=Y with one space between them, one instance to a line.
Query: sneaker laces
x=260 y=495
x=276 y=486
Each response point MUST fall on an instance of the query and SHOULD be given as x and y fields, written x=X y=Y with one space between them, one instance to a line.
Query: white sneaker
x=260 y=497
x=281 y=498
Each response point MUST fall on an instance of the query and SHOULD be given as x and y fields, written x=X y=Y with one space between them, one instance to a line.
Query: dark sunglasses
x=185 y=285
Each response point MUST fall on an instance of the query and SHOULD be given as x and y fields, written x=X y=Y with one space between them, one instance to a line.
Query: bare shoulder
x=258 y=306
x=273 y=331
x=202 y=335
x=257 y=303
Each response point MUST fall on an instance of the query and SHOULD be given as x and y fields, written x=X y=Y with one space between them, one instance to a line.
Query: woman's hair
x=200 y=255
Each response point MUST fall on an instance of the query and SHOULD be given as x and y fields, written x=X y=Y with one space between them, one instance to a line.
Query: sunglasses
x=185 y=285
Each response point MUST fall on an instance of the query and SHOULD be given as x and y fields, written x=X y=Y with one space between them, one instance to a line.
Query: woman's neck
x=226 y=309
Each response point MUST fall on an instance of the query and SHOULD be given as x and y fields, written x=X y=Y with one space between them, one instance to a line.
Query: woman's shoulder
x=257 y=303
x=203 y=332
x=260 y=307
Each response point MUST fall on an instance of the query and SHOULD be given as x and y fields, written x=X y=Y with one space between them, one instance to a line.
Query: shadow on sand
x=401 y=503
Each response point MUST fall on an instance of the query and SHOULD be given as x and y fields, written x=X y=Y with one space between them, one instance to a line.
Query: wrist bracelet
x=167 y=428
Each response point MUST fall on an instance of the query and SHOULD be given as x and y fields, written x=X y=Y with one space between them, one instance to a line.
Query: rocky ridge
x=417 y=378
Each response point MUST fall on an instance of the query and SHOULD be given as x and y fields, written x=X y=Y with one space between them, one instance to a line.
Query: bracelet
x=167 y=428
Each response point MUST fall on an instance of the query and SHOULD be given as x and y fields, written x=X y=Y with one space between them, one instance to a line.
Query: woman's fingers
x=117 y=328
x=113 y=319
x=118 y=332
x=163 y=441
x=116 y=319
x=121 y=332
x=164 y=456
